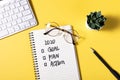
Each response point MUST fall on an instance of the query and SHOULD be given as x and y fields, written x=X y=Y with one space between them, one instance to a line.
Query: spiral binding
x=35 y=62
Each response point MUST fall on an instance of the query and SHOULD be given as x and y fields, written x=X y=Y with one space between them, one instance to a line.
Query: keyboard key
x=14 y=17
x=27 y=17
x=1 y=16
x=4 y=20
x=7 y=8
x=26 y=7
x=26 y=12
x=14 y=23
x=3 y=27
x=23 y=2
x=2 y=10
x=19 y=15
x=12 y=6
x=17 y=4
x=8 y=25
x=10 y=12
x=21 y=8
x=10 y=30
x=5 y=14
x=9 y=19
x=19 y=20
x=3 y=33
x=16 y=10
x=32 y=22
x=22 y=26
x=12 y=1
x=16 y=28
x=27 y=24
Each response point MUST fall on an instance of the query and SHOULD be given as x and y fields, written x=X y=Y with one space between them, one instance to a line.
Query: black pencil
x=114 y=72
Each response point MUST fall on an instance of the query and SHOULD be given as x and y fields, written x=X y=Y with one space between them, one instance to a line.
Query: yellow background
x=15 y=52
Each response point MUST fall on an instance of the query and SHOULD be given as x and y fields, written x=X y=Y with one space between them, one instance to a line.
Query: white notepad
x=54 y=58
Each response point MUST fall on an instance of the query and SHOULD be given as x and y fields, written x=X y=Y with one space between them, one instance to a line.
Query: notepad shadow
x=111 y=23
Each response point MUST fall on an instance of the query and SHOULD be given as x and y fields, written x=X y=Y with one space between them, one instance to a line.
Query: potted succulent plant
x=95 y=20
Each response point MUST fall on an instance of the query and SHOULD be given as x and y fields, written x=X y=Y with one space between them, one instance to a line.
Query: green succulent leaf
x=95 y=20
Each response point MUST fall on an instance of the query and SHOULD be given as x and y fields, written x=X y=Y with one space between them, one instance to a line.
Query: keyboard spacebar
x=3 y=33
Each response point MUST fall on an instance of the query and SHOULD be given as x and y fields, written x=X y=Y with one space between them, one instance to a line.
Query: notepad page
x=56 y=58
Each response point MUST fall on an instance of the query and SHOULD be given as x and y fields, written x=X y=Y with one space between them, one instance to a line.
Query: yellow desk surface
x=15 y=51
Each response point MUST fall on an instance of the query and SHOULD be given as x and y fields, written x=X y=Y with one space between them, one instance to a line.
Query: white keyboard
x=15 y=16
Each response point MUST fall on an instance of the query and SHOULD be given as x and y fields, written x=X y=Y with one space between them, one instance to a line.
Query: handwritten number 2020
x=48 y=42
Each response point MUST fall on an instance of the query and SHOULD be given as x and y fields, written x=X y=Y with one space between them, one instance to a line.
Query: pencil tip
x=92 y=49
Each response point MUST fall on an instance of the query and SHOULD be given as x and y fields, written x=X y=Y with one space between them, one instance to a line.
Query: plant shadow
x=112 y=23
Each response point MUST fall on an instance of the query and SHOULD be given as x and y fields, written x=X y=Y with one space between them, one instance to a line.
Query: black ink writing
x=42 y=50
x=53 y=56
x=52 y=49
x=45 y=64
x=56 y=63
x=44 y=57
x=48 y=42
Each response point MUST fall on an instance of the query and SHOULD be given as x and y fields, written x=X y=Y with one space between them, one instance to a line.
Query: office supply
x=54 y=57
x=15 y=16
x=114 y=72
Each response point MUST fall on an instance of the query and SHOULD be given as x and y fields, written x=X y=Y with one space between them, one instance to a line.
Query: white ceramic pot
x=87 y=26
